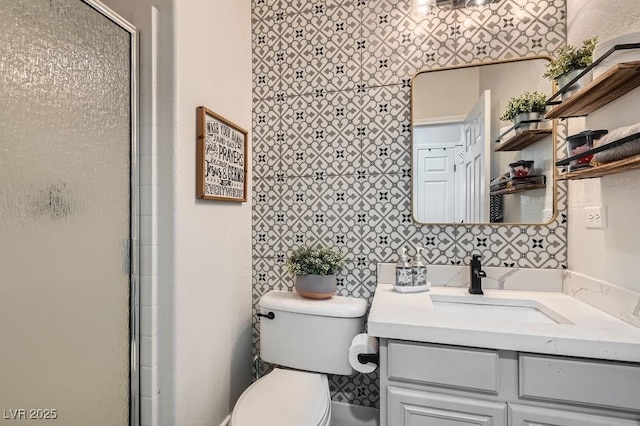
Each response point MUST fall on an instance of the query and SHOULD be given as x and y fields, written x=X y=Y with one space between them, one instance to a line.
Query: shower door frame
x=134 y=241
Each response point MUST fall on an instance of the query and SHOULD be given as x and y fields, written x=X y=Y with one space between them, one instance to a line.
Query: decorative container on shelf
x=569 y=62
x=582 y=142
x=526 y=121
x=524 y=110
x=564 y=79
x=520 y=168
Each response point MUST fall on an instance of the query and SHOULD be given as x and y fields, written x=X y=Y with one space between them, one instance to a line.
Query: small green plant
x=315 y=261
x=527 y=102
x=570 y=58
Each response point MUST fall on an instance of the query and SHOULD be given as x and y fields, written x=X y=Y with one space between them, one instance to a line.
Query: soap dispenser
x=419 y=270
x=403 y=271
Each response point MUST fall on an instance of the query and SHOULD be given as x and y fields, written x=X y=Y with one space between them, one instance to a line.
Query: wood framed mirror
x=467 y=163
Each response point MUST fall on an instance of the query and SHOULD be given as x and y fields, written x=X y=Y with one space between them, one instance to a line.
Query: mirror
x=468 y=165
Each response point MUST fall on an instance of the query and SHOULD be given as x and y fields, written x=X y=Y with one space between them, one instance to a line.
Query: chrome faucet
x=477 y=274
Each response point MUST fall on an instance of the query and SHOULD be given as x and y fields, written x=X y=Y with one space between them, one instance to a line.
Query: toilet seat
x=285 y=398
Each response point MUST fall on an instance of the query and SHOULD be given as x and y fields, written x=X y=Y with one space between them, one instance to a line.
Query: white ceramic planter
x=316 y=286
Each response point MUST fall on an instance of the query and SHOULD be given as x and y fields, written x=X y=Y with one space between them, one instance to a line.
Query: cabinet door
x=417 y=408
x=520 y=415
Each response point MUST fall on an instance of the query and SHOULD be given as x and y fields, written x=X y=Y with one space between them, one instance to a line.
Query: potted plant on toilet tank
x=570 y=61
x=314 y=270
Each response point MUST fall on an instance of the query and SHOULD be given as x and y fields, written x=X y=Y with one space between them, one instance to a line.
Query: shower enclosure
x=68 y=214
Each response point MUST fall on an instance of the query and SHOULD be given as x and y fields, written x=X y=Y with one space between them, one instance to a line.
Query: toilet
x=301 y=334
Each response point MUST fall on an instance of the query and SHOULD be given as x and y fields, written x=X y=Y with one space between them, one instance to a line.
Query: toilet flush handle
x=270 y=315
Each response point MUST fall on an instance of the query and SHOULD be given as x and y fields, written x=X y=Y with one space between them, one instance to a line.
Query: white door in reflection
x=437 y=178
x=438 y=146
x=477 y=156
x=452 y=164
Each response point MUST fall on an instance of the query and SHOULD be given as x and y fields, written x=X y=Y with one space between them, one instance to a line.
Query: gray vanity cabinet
x=441 y=385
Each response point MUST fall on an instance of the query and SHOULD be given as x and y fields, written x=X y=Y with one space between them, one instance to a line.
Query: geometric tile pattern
x=332 y=139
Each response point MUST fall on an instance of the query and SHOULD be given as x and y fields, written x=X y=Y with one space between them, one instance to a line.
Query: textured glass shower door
x=65 y=214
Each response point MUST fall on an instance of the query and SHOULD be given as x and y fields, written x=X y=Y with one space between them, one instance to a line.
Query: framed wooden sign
x=221 y=158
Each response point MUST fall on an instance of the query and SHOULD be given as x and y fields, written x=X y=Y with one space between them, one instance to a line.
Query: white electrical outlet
x=595 y=217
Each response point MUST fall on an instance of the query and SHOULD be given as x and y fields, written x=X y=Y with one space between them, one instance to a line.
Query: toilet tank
x=311 y=335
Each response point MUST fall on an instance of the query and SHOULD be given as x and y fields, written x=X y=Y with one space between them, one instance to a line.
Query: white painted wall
x=611 y=254
x=212 y=240
x=204 y=247
x=456 y=92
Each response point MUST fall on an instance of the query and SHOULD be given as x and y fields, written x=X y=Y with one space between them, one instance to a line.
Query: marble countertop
x=590 y=333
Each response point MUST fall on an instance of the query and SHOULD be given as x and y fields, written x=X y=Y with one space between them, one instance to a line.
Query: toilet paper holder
x=367 y=358
x=363 y=353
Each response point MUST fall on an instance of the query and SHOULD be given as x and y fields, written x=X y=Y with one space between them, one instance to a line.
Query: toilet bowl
x=285 y=398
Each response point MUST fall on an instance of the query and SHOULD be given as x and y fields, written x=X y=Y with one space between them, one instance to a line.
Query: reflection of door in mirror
x=446 y=191
x=462 y=151
x=477 y=152
x=438 y=146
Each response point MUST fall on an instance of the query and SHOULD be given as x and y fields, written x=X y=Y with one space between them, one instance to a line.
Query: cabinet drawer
x=521 y=415
x=462 y=368
x=569 y=380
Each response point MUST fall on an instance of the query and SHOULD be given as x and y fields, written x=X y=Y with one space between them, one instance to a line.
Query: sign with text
x=221 y=158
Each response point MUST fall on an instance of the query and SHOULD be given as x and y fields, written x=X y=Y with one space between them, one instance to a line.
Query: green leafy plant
x=527 y=102
x=570 y=58
x=315 y=261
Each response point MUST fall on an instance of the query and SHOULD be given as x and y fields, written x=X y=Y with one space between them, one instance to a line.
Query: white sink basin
x=487 y=308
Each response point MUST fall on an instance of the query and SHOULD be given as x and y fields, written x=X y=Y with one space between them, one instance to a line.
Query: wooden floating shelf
x=617 y=81
x=620 y=166
x=524 y=183
x=523 y=140
x=520 y=188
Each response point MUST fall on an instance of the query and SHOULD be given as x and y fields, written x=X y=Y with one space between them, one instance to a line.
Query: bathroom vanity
x=504 y=358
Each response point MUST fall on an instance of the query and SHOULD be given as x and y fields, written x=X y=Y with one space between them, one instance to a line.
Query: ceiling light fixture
x=477 y=3
x=422 y=8
x=458 y=4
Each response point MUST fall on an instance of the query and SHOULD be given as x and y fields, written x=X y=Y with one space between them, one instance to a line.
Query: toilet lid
x=284 y=398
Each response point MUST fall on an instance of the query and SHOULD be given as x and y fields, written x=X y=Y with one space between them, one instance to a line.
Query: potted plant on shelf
x=314 y=270
x=569 y=63
x=525 y=108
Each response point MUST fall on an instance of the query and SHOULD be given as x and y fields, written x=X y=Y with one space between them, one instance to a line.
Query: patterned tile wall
x=332 y=138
